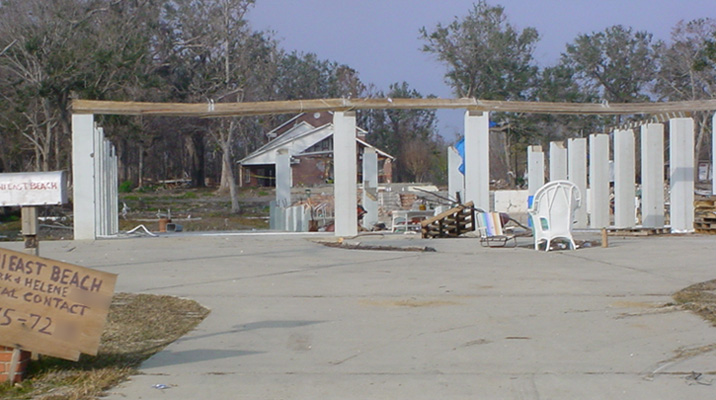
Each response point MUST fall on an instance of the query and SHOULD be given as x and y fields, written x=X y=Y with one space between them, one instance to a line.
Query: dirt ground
x=193 y=209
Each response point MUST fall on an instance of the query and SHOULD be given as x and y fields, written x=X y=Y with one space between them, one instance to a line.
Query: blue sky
x=380 y=38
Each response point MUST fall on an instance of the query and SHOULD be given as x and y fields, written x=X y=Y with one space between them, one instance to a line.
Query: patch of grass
x=11 y=218
x=189 y=195
x=699 y=298
x=130 y=197
x=125 y=187
x=138 y=326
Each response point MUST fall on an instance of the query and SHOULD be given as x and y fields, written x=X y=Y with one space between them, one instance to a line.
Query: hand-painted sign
x=51 y=307
x=33 y=189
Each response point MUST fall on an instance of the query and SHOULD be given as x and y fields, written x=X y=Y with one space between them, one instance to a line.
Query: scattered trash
x=172 y=227
x=161 y=386
x=142 y=227
x=697 y=377
x=358 y=246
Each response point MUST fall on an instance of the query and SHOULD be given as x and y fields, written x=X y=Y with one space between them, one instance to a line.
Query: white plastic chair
x=552 y=211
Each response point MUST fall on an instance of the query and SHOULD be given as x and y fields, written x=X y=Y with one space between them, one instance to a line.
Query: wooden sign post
x=29 y=230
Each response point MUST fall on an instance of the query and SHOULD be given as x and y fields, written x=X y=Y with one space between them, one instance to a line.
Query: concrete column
x=577 y=174
x=713 y=155
x=345 y=171
x=477 y=159
x=599 y=180
x=115 y=192
x=624 y=179
x=681 y=174
x=652 y=175
x=99 y=174
x=456 y=180
x=535 y=169
x=370 y=187
x=557 y=161
x=283 y=178
x=83 y=176
x=277 y=220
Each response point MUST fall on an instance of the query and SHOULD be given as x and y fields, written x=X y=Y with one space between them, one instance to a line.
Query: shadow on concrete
x=252 y=326
x=169 y=357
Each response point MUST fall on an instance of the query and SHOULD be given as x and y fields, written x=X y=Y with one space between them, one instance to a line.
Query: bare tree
x=686 y=75
x=216 y=58
x=52 y=50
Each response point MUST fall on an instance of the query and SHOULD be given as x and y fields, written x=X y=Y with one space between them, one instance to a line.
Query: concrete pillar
x=83 y=176
x=277 y=220
x=113 y=187
x=624 y=179
x=345 y=171
x=477 y=159
x=370 y=187
x=577 y=174
x=599 y=180
x=713 y=155
x=456 y=180
x=99 y=187
x=652 y=175
x=283 y=178
x=557 y=161
x=535 y=169
x=94 y=169
x=681 y=174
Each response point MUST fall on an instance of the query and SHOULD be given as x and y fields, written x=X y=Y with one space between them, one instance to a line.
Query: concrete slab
x=295 y=319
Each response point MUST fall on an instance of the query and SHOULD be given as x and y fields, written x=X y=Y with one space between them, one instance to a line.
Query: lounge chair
x=491 y=230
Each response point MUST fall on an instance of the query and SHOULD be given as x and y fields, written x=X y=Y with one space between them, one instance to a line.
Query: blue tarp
x=460 y=147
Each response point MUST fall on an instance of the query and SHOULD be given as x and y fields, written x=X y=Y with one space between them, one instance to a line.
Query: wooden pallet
x=637 y=231
x=451 y=223
x=705 y=214
x=705 y=203
x=705 y=225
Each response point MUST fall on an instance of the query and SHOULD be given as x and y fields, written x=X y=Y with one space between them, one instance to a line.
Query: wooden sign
x=33 y=189
x=51 y=307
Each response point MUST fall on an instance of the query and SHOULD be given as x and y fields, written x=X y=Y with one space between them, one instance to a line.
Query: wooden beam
x=216 y=110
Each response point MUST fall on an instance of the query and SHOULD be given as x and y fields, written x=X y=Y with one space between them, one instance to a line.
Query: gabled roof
x=297 y=136
x=296 y=140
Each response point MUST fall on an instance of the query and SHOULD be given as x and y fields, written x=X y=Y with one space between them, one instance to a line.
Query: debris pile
x=705 y=214
x=451 y=223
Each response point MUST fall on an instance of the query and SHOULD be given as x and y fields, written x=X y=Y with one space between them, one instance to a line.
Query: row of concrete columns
x=597 y=177
x=95 y=180
x=95 y=174
x=587 y=169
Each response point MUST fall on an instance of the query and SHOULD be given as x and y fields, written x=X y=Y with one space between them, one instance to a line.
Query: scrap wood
x=705 y=214
x=446 y=214
x=637 y=231
x=359 y=246
x=451 y=223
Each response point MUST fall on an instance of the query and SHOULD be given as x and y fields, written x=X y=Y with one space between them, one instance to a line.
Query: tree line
x=207 y=51
x=488 y=58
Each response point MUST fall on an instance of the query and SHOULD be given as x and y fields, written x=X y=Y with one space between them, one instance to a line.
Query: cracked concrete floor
x=292 y=319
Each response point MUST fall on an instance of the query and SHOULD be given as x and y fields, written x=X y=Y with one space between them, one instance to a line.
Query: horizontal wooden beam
x=215 y=110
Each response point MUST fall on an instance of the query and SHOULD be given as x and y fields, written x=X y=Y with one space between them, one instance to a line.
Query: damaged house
x=309 y=140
